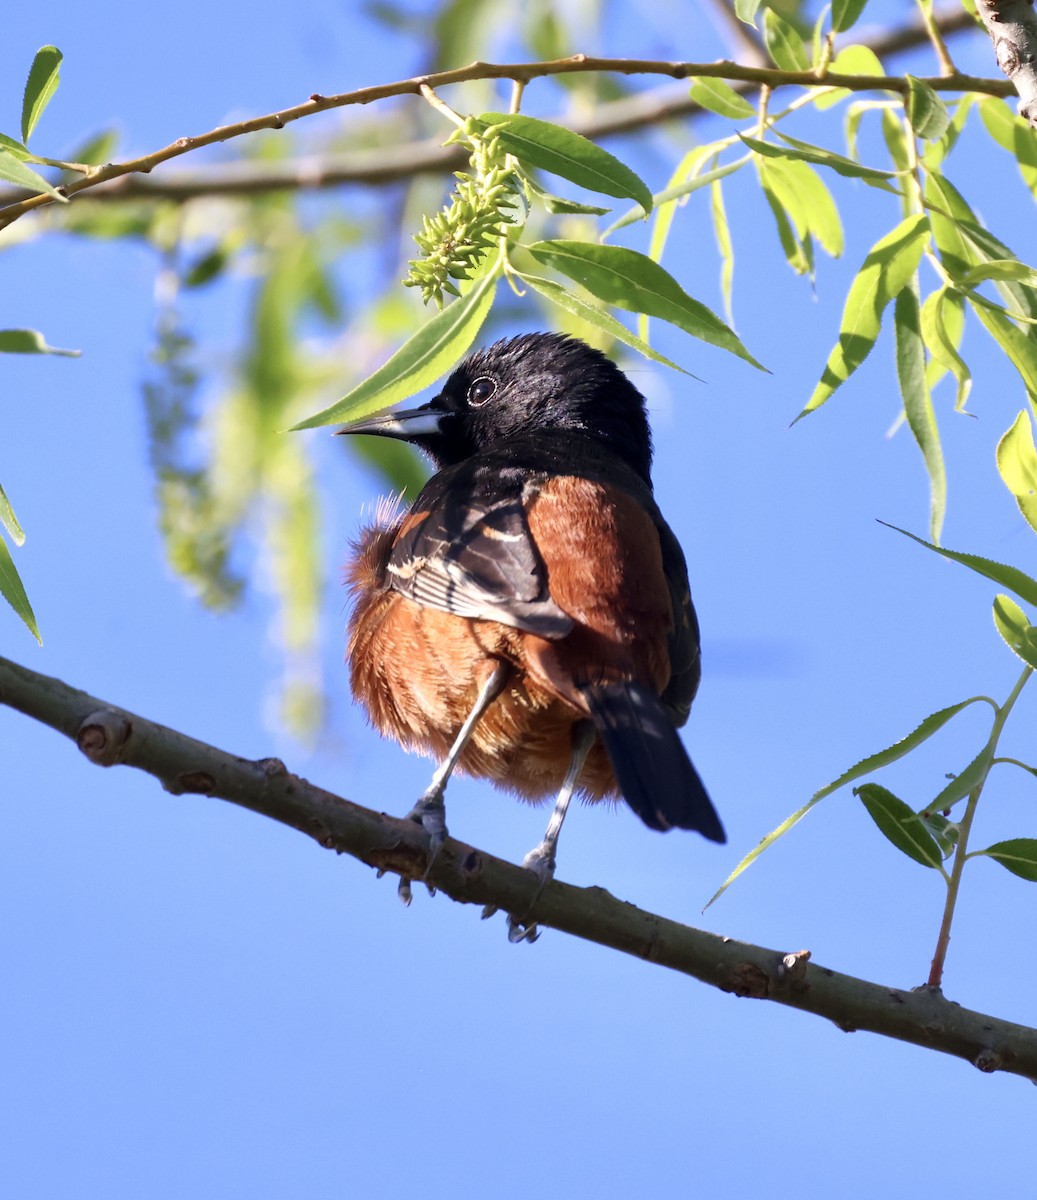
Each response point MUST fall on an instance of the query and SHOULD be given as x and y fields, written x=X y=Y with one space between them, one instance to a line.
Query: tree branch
x=108 y=735
x=521 y=73
x=1012 y=25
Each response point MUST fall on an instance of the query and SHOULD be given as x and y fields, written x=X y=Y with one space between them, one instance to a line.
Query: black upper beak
x=408 y=424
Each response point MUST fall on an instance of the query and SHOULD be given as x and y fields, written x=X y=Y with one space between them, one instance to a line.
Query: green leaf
x=595 y=315
x=1017 y=463
x=1020 y=347
x=845 y=14
x=935 y=153
x=725 y=248
x=944 y=831
x=421 y=360
x=561 y=206
x=720 y=97
x=542 y=144
x=790 y=147
x=873 y=762
x=962 y=784
x=925 y=110
x=918 y=404
x=39 y=87
x=14 y=593
x=807 y=201
x=16 y=149
x=896 y=135
x=943 y=322
x=746 y=10
x=1008 y=577
x=1018 y=855
x=1013 y=134
x=28 y=341
x=852 y=60
x=13 y=170
x=632 y=281
x=800 y=255
x=899 y=822
x=1018 y=634
x=784 y=43
x=1000 y=269
x=9 y=521
x=890 y=263
x=677 y=192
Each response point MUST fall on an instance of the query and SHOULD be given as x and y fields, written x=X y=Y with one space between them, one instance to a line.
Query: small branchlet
x=454 y=240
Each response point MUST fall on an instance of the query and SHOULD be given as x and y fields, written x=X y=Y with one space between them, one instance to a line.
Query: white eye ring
x=481 y=390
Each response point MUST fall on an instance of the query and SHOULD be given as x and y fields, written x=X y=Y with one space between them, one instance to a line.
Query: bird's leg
x=541 y=859
x=430 y=811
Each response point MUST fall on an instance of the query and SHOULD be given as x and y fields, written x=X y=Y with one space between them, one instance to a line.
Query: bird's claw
x=430 y=814
x=541 y=861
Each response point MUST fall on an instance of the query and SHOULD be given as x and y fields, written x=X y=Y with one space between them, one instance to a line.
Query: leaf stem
x=943 y=55
x=442 y=106
x=964 y=828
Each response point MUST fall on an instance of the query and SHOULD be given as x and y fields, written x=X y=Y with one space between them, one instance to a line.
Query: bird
x=528 y=619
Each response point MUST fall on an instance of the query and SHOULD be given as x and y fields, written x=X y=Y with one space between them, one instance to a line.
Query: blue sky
x=198 y=1001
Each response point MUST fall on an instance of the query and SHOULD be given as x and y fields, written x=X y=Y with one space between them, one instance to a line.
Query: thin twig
x=391 y=164
x=519 y=72
x=943 y=55
x=108 y=736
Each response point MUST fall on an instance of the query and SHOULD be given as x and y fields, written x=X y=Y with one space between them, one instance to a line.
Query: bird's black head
x=520 y=387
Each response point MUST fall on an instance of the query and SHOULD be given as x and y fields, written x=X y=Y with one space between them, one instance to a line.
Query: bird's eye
x=480 y=391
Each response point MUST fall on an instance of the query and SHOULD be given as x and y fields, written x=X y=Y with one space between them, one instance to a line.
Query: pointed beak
x=407 y=424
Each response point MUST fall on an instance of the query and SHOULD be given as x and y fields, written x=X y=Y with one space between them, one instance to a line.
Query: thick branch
x=108 y=735
x=520 y=72
x=1012 y=25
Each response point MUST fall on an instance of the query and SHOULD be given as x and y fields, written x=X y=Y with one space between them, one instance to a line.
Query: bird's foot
x=430 y=814
x=541 y=861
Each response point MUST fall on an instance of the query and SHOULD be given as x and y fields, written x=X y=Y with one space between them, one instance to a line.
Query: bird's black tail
x=655 y=774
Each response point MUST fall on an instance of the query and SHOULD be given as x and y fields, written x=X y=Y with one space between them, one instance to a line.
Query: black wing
x=466 y=549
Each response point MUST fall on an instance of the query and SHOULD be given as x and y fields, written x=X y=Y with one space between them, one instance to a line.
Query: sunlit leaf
x=890 y=263
x=866 y=766
x=558 y=150
x=918 y=404
x=935 y=152
x=633 y=281
x=793 y=148
x=14 y=593
x=943 y=322
x=1017 y=463
x=845 y=14
x=28 y=341
x=799 y=254
x=436 y=348
x=721 y=98
x=14 y=148
x=746 y=11
x=13 y=170
x=39 y=87
x=677 y=191
x=900 y=824
x=807 y=201
x=1018 y=855
x=925 y=110
x=1019 y=346
x=851 y=60
x=1018 y=634
x=1000 y=268
x=1014 y=134
x=595 y=315
x=784 y=43
x=9 y=521
x=725 y=248
x=1008 y=577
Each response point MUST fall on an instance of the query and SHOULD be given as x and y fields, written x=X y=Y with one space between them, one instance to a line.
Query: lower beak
x=406 y=424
